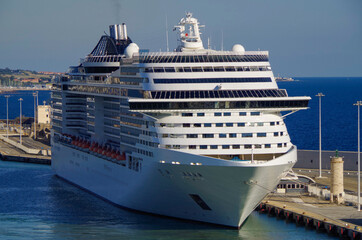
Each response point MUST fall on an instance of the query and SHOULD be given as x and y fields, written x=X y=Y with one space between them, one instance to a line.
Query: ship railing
x=207 y=53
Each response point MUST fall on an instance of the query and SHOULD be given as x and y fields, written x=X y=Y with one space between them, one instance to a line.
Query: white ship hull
x=229 y=190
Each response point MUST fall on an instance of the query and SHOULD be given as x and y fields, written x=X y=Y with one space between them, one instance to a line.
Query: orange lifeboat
x=104 y=150
x=95 y=148
x=99 y=150
x=113 y=154
x=109 y=152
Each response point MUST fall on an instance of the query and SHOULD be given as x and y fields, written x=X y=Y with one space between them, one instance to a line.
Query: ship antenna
x=208 y=43
x=222 y=40
x=167 y=49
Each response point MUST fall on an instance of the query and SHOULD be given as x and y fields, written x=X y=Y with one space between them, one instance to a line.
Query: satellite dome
x=238 y=48
x=131 y=49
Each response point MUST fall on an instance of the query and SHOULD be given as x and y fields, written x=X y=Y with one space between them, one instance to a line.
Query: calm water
x=27 y=103
x=339 y=116
x=34 y=204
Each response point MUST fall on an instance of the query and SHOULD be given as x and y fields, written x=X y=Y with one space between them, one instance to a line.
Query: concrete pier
x=343 y=221
x=9 y=152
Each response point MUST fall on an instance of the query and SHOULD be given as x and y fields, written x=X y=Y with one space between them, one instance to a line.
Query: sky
x=305 y=38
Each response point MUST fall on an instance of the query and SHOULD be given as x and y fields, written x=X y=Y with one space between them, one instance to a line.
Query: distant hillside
x=20 y=77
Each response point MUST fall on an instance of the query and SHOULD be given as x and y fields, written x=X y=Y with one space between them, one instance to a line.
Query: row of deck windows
x=223 y=135
x=228 y=124
x=219 y=114
x=207 y=69
x=150 y=58
x=184 y=94
x=240 y=124
x=211 y=80
x=227 y=146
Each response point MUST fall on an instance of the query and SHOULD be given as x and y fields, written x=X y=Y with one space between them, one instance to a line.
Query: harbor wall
x=309 y=159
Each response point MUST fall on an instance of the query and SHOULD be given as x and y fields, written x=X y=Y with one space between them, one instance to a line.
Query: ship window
x=200 y=114
x=260 y=124
x=239 y=69
x=207 y=124
x=213 y=146
x=230 y=69
x=219 y=69
x=191 y=135
x=169 y=69
x=197 y=125
x=285 y=144
x=236 y=146
x=217 y=114
x=229 y=124
x=247 y=146
x=225 y=146
x=203 y=146
x=232 y=135
x=246 y=135
x=241 y=124
x=255 y=113
x=187 y=114
x=192 y=146
x=281 y=133
x=208 y=135
x=180 y=69
x=219 y=124
x=187 y=69
x=267 y=145
x=227 y=114
x=158 y=70
x=222 y=135
x=148 y=70
x=257 y=145
x=276 y=134
x=261 y=134
x=280 y=145
x=186 y=124
x=242 y=113
x=208 y=69
x=272 y=123
x=197 y=69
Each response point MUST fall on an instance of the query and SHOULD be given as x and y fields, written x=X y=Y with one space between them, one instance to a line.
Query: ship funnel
x=118 y=32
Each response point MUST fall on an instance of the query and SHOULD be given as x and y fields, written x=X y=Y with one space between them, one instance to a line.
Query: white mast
x=167 y=49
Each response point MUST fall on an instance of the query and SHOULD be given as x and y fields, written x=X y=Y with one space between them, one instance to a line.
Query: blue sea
x=35 y=204
x=339 y=116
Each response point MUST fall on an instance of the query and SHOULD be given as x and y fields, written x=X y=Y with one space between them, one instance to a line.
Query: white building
x=44 y=114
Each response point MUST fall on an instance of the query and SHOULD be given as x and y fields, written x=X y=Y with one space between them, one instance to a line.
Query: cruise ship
x=193 y=133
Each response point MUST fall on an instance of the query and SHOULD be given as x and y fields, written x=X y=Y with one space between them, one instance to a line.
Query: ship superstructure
x=195 y=133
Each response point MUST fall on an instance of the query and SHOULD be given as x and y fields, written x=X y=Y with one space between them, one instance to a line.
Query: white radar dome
x=238 y=48
x=131 y=49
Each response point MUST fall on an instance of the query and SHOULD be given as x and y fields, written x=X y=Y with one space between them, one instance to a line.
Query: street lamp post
x=358 y=104
x=320 y=95
x=20 y=100
x=35 y=94
x=7 y=115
